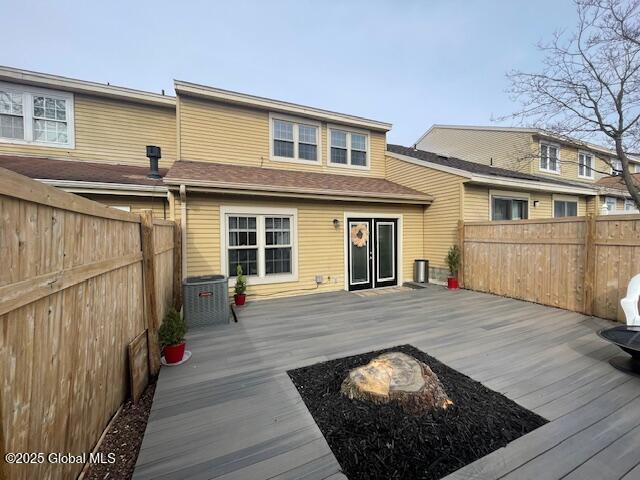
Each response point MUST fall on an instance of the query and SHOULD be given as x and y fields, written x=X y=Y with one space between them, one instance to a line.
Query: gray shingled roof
x=474 y=167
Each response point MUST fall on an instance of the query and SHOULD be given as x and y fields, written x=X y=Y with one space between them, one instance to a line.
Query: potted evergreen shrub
x=241 y=287
x=453 y=261
x=171 y=335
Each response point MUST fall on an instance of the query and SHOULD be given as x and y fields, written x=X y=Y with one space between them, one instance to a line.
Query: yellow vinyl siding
x=476 y=203
x=320 y=244
x=513 y=150
x=504 y=149
x=158 y=205
x=216 y=132
x=593 y=205
x=112 y=131
x=441 y=217
x=569 y=165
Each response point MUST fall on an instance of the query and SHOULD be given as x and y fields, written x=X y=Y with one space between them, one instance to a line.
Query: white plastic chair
x=630 y=302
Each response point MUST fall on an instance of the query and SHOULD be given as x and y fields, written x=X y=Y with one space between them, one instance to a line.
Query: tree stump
x=398 y=378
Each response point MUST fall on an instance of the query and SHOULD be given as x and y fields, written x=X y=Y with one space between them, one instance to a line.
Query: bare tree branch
x=589 y=86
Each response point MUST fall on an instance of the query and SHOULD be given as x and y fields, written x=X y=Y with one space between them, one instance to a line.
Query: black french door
x=372 y=253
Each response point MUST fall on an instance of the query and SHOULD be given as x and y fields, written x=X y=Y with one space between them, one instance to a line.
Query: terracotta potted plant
x=241 y=287
x=171 y=335
x=453 y=261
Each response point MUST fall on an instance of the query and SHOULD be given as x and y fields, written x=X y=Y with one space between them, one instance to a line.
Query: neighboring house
x=524 y=150
x=471 y=191
x=86 y=137
x=286 y=191
x=615 y=196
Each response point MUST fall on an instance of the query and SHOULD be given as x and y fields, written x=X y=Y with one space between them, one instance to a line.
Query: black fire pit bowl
x=628 y=339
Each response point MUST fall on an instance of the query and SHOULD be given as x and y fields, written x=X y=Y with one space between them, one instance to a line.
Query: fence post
x=590 y=264
x=177 y=266
x=149 y=278
x=461 y=246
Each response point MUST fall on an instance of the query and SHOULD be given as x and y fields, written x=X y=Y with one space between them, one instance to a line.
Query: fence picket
x=576 y=263
x=71 y=300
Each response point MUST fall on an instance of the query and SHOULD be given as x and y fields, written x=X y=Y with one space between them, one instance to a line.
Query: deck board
x=231 y=412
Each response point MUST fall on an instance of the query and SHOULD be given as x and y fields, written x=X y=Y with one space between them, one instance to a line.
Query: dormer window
x=30 y=115
x=348 y=148
x=549 y=158
x=11 y=115
x=294 y=139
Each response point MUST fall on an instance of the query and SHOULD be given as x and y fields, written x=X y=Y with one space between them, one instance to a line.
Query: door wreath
x=360 y=234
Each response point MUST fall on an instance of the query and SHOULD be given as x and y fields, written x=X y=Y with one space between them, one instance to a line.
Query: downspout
x=171 y=198
x=183 y=225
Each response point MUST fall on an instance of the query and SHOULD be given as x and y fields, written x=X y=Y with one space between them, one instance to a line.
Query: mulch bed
x=124 y=439
x=382 y=442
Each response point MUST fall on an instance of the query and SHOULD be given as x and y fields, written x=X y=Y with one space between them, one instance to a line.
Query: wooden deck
x=231 y=412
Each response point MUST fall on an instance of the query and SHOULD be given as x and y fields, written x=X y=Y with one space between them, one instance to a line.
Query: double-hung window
x=277 y=248
x=11 y=115
x=38 y=116
x=243 y=244
x=294 y=140
x=348 y=148
x=585 y=165
x=549 y=158
x=261 y=241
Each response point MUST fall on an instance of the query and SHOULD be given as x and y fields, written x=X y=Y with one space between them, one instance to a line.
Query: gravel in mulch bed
x=124 y=439
x=382 y=442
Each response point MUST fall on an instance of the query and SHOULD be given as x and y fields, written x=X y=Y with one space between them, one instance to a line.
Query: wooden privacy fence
x=78 y=282
x=577 y=263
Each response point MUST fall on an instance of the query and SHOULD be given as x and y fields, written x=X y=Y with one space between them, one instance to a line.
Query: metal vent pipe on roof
x=154 y=153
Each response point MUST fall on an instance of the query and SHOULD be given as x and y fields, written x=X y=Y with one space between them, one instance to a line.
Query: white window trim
x=593 y=159
x=28 y=92
x=564 y=198
x=546 y=170
x=346 y=240
x=261 y=278
x=507 y=195
x=349 y=131
x=296 y=120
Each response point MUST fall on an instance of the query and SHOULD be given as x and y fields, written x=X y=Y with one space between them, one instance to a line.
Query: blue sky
x=411 y=63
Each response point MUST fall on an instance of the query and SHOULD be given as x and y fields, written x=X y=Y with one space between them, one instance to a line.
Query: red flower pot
x=174 y=353
x=240 y=298
x=452 y=283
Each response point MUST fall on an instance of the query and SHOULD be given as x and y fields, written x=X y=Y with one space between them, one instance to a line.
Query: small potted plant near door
x=453 y=261
x=241 y=287
x=171 y=335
